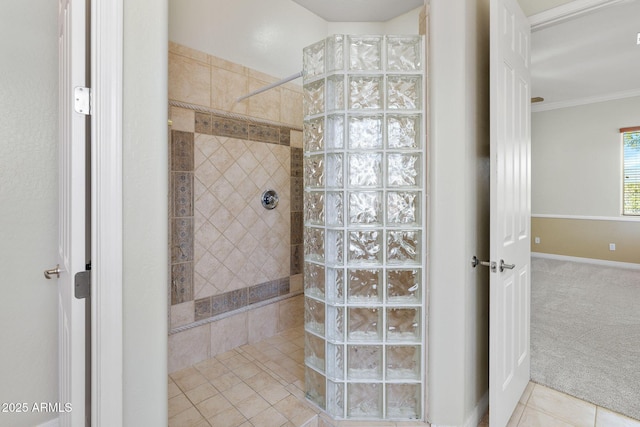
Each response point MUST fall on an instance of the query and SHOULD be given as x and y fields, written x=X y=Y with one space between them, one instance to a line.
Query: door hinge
x=82 y=284
x=82 y=100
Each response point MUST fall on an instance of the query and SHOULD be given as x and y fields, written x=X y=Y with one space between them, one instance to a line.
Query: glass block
x=364 y=285
x=403 y=362
x=334 y=174
x=365 y=132
x=314 y=351
x=365 y=207
x=314 y=171
x=314 y=316
x=403 y=170
x=365 y=170
x=335 y=399
x=404 y=53
x=365 y=246
x=335 y=132
x=403 y=247
x=314 y=244
x=403 y=131
x=404 y=92
x=313 y=60
x=313 y=98
x=335 y=285
x=314 y=281
x=335 y=361
x=403 y=401
x=364 y=324
x=313 y=134
x=335 y=323
x=364 y=362
x=365 y=93
x=335 y=247
x=365 y=52
x=403 y=285
x=335 y=52
x=335 y=93
x=335 y=208
x=403 y=324
x=364 y=400
x=314 y=207
x=403 y=207
x=315 y=387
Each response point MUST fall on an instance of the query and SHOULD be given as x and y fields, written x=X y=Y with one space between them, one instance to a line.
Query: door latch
x=492 y=265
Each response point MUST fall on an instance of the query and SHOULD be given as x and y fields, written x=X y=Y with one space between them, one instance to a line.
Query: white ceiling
x=580 y=58
x=359 y=10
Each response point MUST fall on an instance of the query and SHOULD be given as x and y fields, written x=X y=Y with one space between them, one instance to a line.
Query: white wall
x=28 y=206
x=576 y=157
x=265 y=36
x=459 y=211
x=145 y=213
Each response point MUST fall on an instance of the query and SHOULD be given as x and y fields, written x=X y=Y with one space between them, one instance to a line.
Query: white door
x=509 y=357
x=71 y=219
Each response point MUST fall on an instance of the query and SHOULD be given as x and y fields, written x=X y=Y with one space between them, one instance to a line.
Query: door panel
x=71 y=206
x=509 y=359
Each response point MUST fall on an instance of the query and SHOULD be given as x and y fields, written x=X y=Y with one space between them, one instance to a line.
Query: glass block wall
x=364 y=226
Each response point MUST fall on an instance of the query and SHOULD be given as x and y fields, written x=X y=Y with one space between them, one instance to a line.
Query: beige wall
x=587 y=238
x=576 y=173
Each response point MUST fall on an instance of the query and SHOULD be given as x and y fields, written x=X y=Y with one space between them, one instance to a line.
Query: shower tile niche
x=364 y=226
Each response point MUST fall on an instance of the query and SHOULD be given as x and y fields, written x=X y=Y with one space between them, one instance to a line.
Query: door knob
x=507 y=266
x=51 y=272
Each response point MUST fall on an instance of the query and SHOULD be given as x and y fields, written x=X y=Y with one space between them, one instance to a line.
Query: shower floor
x=253 y=385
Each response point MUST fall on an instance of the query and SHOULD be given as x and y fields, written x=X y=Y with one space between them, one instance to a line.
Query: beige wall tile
x=226 y=87
x=188 y=52
x=188 y=347
x=181 y=314
x=228 y=65
x=182 y=119
x=228 y=333
x=291 y=313
x=263 y=323
x=296 y=139
x=291 y=107
x=189 y=80
x=265 y=105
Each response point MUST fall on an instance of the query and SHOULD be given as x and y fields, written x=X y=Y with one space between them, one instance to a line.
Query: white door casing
x=71 y=215
x=509 y=352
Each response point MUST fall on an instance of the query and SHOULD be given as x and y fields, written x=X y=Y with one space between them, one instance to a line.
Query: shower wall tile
x=202 y=308
x=296 y=162
x=290 y=112
x=182 y=119
x=265 y=105
x=269 y=134
x=227 y=86
x=181 y=151
x=189 y=80
x=228 y=333
x=182 y=240
x=182 y=188
x=182 y=314
x=202 y=123
x=181 y=283
x=296 y=228
x=188 y=52
x=229 y=127
x=262 y=323
x=285 y=136
x=296 y=139
x=189 y=347
x=297 y=258
x=297 y=195
x=291 y=313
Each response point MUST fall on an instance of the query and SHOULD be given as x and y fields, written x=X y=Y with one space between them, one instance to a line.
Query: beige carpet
x=585 y=332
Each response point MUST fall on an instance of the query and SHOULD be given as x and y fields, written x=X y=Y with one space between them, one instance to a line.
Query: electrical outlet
x=536 y=240
x=612 y=246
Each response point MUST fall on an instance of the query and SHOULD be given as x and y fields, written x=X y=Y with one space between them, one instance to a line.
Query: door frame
x=106 y=207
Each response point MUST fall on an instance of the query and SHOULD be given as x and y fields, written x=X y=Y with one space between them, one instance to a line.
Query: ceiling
x=582 y=51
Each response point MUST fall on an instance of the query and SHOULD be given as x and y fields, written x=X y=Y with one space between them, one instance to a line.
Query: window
x=631 y=171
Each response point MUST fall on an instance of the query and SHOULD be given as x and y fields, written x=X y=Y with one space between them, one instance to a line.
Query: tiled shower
x=235 y=267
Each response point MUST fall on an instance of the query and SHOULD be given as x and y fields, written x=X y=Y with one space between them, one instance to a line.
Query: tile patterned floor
x=261 y=385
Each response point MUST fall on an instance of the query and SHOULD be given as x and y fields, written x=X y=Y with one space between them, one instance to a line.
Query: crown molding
x=567 y=11
x=536 y=108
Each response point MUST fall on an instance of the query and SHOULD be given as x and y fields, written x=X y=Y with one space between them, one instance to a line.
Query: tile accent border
x=181 y=223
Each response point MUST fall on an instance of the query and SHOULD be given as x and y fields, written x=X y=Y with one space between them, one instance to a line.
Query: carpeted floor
x=585 y=332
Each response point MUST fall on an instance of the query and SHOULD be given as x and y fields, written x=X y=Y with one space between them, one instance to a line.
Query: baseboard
x=607 y=263
x=476 y=415
x=51 y=423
